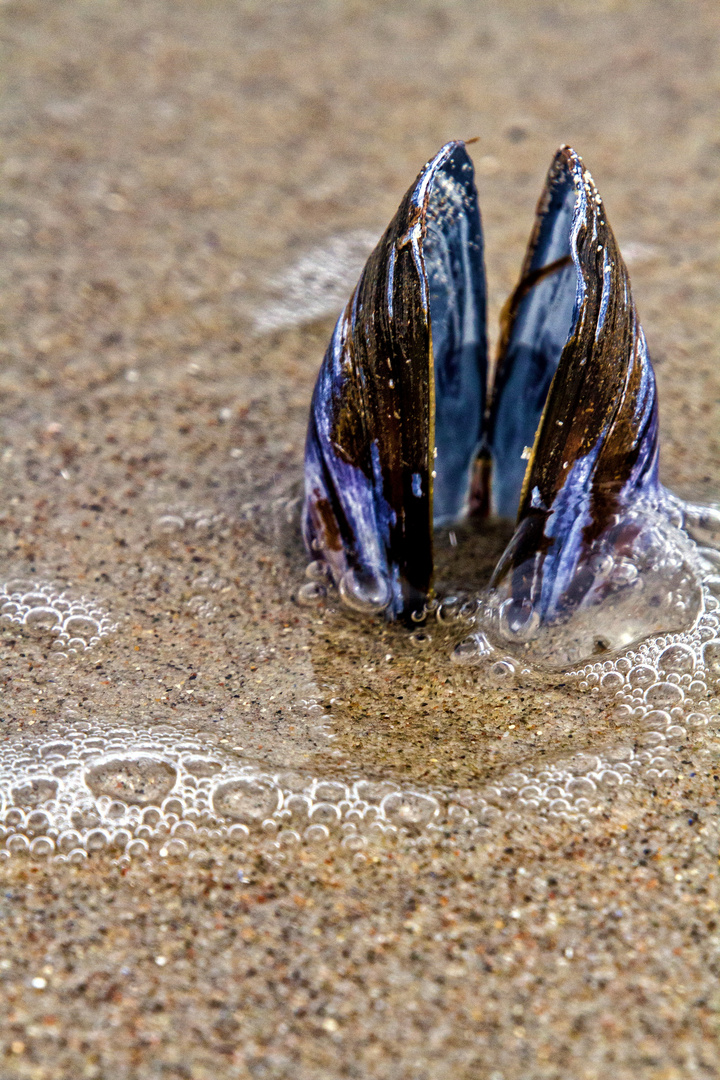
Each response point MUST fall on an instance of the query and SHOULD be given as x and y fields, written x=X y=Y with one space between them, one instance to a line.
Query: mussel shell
x=599 y=428
x=370 y=457
x=398 y=425
x=591 y=495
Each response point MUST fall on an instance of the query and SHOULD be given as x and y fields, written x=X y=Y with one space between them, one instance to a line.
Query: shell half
x=596 y=561
x=397 y=411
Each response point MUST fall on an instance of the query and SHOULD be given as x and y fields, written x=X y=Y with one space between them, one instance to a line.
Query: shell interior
x=536 y=324
x=453 y=257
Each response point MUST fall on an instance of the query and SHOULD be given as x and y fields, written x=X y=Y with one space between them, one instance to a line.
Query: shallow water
x=242 y=835
x=276 y=721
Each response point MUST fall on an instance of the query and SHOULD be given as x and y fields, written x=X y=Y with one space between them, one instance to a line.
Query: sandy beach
x=242 y=836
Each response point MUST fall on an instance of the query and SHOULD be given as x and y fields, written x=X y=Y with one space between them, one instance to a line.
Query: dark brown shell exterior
x=597 y=561
x=603 y=399
x=596 y=448
x=369 y=460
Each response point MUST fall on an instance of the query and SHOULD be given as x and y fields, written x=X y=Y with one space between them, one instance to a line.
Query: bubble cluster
x=178 y=519
x=637 y=579
x=666 y=684
x=39 y=609
x=574 y=789
x=92 y=789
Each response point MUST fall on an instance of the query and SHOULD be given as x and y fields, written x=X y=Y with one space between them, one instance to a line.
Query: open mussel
x=401 y=437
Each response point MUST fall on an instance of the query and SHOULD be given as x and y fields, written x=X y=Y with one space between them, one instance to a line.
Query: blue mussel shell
x=405 y=434
x=396 y=416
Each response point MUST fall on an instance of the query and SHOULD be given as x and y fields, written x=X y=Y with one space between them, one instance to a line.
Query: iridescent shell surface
x=594 y=523
x=400 y=397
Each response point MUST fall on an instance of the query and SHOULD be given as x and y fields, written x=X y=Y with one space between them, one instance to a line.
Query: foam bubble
x=249 y=800
x=34 y=792
x=364 y=592
x=140 y=780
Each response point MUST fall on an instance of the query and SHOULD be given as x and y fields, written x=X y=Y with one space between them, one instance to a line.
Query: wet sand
x=164 y=165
